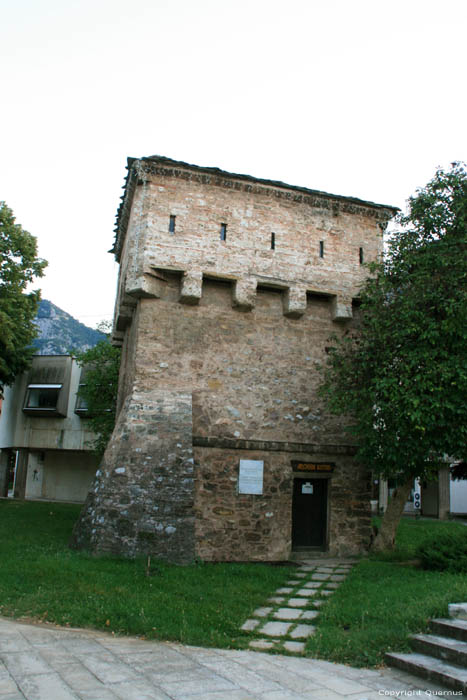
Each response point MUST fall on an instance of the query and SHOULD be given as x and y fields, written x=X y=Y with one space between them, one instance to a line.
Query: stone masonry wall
x=252 y=375
x=223 y=343
x=142 y=498
x=232 y=526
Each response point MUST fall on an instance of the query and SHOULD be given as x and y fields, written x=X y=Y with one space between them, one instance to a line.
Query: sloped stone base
x=141 y=501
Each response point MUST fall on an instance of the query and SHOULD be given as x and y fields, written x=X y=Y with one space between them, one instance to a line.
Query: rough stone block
x=145 y=286
x=294 y=301
x=192 y=285
x=244 y=294
x=341 y=309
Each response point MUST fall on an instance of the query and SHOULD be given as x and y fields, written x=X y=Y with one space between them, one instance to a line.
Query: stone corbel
x=117 y=338
x=192 y=286
x=295 y=301
x=146 y=286
x=123 y=316
x=244 y=294
x=341 y=308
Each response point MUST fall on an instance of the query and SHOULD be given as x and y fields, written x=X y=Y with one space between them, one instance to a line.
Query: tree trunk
x=387 y=532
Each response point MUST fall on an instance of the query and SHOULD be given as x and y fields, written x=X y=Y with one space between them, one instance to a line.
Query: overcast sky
x=354 y=97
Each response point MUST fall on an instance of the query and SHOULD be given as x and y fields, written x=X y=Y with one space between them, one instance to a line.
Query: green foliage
x=378 y=607
x=413 y=533
x=445 y=552
x=99 y=390
x=19 y=265
x=403 y=375
x=43 y=579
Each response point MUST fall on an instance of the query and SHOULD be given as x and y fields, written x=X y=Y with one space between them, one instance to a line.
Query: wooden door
x=309 y=512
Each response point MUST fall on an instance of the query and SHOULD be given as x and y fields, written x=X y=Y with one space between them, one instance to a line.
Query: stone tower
x=229 y=289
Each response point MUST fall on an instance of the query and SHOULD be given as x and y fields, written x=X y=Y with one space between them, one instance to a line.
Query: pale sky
x=354 y=97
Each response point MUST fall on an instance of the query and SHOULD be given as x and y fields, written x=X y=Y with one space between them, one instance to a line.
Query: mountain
x=59 y=333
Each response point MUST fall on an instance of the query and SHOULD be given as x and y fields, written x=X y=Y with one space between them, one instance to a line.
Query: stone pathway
x=40 y=662
x=285 y=623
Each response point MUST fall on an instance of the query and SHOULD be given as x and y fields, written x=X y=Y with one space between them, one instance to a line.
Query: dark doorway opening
x=309 y=513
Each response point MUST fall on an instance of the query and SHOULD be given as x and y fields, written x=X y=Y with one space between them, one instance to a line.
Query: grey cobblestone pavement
x=49 y=663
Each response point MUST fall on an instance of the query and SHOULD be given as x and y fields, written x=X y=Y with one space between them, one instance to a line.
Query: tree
x=402 y=375
x=99 y=389
x=19 y=265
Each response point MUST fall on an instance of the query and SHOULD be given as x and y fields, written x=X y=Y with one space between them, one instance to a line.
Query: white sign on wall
x=250 y=476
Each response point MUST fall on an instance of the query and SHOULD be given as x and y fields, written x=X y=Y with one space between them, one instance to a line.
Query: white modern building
x=45 y=443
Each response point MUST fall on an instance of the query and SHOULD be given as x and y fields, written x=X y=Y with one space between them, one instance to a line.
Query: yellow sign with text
x=314 y=466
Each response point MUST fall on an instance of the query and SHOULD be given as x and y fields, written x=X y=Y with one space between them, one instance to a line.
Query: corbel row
x=150 y=285
x=244 y=296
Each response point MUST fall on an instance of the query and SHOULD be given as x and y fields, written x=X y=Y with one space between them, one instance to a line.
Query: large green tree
x=99 y=388
x=402 y=375
x=19 y=265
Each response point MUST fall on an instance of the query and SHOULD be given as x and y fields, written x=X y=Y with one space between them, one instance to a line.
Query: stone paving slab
x=275 y=629
x=288 y=614
x=309 y=614
x=294 y=646
x=302 y=631
x=46 y=686
x=249 y=625
x=90 y=665
x=297 y=602
x=262 y=612
x=308 y=589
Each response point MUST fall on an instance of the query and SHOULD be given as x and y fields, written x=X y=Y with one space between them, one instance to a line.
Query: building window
x=273 y=241
x=360 y=255
x=81 y=406
x=223 y=232
x=42 y=399
x=321 y=249
x=172 y=224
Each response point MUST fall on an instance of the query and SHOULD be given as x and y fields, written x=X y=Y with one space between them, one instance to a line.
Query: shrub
x=445 y=552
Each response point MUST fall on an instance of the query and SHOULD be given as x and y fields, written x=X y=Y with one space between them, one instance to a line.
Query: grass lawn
x=383 y=600
x=41 y=578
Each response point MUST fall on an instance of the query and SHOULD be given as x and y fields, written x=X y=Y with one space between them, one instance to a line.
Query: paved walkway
x=284 y=623
x=48 y=663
